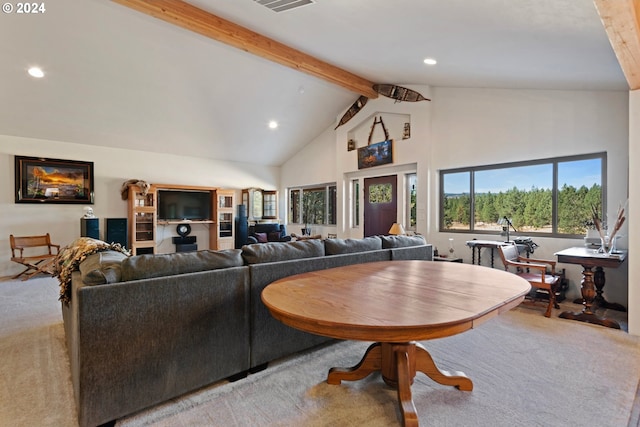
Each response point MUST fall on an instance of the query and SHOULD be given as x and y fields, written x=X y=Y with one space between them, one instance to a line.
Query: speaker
x=90 y=227
x=242 y=227
x=117 y=231
x=187 y=247
x=186 y=240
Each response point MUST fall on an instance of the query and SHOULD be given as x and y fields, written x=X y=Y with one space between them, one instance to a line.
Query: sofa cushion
x=149 y=265
x=402 y=241
x=102 y=267
x=348 y=246
x=282 y=251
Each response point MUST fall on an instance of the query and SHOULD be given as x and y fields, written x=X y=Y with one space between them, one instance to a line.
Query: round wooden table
x=395 y=303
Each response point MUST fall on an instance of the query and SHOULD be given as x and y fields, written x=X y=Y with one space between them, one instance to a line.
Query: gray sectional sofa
x=144 y=329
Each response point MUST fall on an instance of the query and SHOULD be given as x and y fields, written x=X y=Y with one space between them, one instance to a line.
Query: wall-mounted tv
x=184 y=205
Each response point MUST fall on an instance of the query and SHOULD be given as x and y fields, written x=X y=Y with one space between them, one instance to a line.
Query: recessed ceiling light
x=273 y=124
x=430 y=61
x=36 y=72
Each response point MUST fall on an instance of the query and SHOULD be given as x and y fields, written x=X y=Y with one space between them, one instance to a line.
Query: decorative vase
x=612 y=245
x=451 y=250
x=605 y=245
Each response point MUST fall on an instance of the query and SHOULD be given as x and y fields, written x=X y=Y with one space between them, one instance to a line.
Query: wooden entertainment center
x=144 y=210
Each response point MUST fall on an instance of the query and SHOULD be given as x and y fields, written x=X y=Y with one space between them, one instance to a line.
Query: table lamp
x=396 y=229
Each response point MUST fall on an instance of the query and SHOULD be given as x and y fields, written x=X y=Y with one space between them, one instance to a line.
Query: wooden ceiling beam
x=621 y=19
x=184 y=15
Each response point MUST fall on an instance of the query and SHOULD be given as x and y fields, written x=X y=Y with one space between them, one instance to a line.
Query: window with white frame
x=411 y=198
x=313 y=205
x=355 y=202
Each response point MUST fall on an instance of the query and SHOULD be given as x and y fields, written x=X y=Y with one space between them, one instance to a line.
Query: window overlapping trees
x=476 y=198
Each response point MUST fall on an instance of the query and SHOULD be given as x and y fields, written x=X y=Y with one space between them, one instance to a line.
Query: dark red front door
x=380 y=204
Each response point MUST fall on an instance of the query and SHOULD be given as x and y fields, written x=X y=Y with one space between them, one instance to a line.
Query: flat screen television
x=184 y=205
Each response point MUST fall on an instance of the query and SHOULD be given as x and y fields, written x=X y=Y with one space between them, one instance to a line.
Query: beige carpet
x=527 y=371
x=35 y=380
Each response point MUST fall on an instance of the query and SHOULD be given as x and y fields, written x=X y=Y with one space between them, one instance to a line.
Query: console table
x=477 y=245
x=592 y=283
x=523 y=243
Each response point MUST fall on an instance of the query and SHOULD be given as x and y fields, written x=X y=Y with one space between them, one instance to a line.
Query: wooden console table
x=477 y=245
x=592 y=283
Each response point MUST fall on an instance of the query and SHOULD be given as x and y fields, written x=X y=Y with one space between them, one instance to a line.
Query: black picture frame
x=40 y=180
x=380 y=153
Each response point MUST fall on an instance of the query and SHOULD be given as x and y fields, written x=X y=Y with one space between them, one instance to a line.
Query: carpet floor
x=527 y=370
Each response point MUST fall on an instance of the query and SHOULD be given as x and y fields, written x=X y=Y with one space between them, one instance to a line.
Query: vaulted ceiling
x=121 y=78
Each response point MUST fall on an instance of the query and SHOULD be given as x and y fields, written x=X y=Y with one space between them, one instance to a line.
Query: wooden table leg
x=588 y=296
x=426 y=365
x=599 y=301
x=407 y=407
x=370 y=362
x=398 y=364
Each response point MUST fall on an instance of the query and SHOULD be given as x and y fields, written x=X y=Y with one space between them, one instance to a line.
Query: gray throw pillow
x=102 y=268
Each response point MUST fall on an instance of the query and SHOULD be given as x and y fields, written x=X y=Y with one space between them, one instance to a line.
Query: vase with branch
x=607 y=238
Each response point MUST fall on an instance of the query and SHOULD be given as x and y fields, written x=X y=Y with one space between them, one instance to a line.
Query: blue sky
x=575 y=173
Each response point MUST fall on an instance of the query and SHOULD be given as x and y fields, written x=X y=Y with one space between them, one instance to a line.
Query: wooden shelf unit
x=142 y=220
x=225 y=220
x=143 y=217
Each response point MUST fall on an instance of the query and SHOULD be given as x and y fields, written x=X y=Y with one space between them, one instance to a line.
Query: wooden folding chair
x=40 y=262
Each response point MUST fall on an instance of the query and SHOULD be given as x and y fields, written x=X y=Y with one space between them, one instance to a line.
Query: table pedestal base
x=590 y=318
x=398 y=364
x=591 y=299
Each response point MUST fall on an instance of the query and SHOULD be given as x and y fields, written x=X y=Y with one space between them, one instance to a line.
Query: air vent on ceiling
x=283 y=5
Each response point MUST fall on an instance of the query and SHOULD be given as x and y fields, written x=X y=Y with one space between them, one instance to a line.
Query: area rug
x=527 y=370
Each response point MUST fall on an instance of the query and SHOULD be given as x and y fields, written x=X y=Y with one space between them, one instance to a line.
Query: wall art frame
x=40 y=180
x=380 y=153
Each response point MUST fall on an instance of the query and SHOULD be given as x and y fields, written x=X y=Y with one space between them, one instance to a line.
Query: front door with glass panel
x=380 y=204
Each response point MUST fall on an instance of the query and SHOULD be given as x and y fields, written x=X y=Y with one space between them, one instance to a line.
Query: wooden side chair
x=38 y=257
x=533 y=270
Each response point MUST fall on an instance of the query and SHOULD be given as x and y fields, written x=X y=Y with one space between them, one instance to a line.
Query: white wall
x=467 y=127
x=487 y=126
x=634 y=207
x=326 y=159
x=112 y=167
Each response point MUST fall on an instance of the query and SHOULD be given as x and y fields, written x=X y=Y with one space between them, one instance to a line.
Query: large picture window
x=313 y=205
x=548 y=197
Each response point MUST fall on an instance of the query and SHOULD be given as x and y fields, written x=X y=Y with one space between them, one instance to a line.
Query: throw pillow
x=70 y=257
x=102 y=267
x=261 y=237
x=273 y=236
